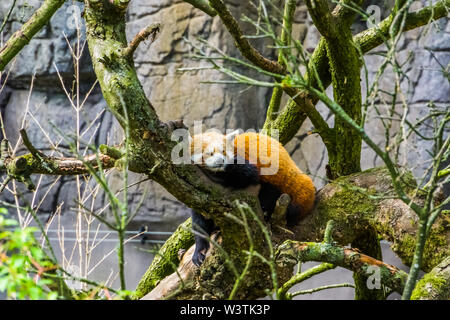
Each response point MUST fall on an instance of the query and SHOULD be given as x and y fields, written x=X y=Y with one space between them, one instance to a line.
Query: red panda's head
x=212 y=149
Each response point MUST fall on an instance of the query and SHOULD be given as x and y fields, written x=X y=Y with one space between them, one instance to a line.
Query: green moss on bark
x=435 y=285
x=166 y=261
x=428 y=284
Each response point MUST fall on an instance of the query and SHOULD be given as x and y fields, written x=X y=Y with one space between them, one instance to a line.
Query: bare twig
x=151 y=31
x=246 y=49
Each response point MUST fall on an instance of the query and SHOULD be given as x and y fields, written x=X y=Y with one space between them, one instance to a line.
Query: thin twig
x=151 y=31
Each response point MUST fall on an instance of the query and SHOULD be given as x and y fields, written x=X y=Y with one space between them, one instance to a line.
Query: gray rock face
x=51 y=109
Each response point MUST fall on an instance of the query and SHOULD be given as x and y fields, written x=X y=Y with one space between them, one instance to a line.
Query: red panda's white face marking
x=212 y=149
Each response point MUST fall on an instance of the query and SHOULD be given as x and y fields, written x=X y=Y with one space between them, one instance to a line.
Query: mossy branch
x=149 y=143
x=300 y=277
x=435 y=285
x=166 y=259
x=292 y=115
x=291 y=252
x=21 y=168
x=367 y=201
x=285 y=41
x=203 y=6
x=373 y=37
x=23 y=36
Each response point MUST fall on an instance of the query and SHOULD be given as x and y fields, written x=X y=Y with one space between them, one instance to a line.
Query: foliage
x=22 y=262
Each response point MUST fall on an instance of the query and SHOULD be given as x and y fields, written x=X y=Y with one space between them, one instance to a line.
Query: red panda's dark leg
x=238 y=175
x=293 y=214
x=268 y=196
x=203 y=227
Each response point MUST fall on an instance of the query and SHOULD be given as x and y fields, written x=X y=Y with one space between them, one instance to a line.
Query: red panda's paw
x=199 y=256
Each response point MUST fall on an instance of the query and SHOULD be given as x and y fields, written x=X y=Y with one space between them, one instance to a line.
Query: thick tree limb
x=167 y=258
x=366 y=202
x=357 y=204
x=23 y=36
x=435 y=285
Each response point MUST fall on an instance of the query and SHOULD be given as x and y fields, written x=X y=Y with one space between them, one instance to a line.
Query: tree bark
x=435 y=285
x=357 y=204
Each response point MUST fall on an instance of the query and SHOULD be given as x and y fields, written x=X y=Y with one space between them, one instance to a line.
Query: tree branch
x=373 y=37
x=246 y=49
x=320 y=13
x=285 y=41
x=166 y=260
x=435 y=285
x=292 y=116
x=149 y=143
x=152 y=30
x=38 y=163
x=203 y=6
x=367 y=202
x=292 y=252
x=23 y=36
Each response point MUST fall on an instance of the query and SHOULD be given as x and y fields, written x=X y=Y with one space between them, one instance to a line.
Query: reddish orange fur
x=288 y=179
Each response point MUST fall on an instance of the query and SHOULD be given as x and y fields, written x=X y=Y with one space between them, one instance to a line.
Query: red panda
x=239 y=160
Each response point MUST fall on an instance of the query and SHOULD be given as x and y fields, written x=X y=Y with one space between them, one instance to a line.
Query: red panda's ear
x=230 y=136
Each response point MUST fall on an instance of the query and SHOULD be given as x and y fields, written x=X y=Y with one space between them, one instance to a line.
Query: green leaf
x=35 y=293
x=3 y=284
x=10 y=222
x=36 y=253
x=52 y=295
x=18 y=262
